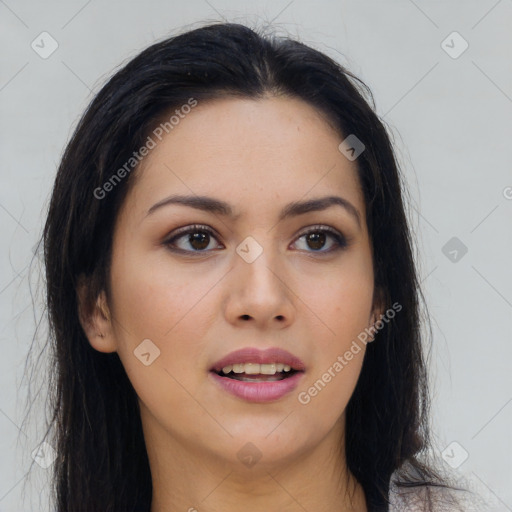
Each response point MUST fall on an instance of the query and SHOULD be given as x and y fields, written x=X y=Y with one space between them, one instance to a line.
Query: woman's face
x=249 y=278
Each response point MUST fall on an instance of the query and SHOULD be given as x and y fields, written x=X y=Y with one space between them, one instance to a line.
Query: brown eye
x=317 y=238
x=191 y=239
x=199 y=240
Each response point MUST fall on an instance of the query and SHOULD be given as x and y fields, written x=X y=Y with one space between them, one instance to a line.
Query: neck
x=190 y=479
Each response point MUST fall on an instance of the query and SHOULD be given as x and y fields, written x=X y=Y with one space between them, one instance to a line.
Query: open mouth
x=262 y=378
x=259 y=377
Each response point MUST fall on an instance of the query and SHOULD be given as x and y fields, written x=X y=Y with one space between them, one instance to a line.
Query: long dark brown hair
x=95 y=425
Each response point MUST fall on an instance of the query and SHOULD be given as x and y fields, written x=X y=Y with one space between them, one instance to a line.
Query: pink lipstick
x=258 y=375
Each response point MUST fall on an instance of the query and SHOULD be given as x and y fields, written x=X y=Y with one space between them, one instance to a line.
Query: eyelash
x=341 y=240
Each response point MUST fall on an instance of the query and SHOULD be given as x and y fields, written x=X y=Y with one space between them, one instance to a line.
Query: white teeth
x=252 y=368
x=256 y=369
x=268 y=369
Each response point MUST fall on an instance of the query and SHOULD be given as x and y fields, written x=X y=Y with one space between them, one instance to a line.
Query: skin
x=257 y=155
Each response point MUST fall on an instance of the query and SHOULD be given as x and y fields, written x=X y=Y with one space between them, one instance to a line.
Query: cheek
x=328 y=387
x=156 y=302
x=340 y=298
x=162 y=311
x=152 y=297
x=342 y=302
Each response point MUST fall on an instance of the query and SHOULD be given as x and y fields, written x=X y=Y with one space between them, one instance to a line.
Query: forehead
x=250 y=153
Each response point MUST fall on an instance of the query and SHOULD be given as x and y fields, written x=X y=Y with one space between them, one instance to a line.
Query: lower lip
x=268 y=391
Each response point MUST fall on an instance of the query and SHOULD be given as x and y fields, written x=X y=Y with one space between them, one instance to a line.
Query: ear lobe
x=378 y=306
x=95 y=318
x=377 y=310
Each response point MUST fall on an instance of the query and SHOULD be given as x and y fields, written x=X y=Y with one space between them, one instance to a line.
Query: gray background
x=451 y=119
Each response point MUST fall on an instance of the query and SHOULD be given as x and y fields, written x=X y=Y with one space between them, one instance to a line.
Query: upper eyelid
x=179 y=232
x=182 y=231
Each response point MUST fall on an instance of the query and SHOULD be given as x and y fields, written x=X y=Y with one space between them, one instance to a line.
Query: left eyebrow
x=216 y=206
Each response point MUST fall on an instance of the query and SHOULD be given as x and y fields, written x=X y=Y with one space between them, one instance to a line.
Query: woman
x=233 y=301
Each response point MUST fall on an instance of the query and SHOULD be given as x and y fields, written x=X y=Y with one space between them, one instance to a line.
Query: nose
x=260 y=292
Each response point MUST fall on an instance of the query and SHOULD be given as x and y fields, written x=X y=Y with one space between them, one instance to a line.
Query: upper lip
x=255 y=355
